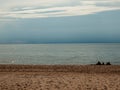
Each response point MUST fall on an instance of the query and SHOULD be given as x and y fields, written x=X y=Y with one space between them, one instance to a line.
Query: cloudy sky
x=59 y=21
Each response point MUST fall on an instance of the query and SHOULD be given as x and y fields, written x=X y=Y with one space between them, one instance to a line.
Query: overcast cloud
x=17 y=9
x=59 y=21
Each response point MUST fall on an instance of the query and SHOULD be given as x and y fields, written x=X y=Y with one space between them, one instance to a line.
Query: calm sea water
x=59 y=53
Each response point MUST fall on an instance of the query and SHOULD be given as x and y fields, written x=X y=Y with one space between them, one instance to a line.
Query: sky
x=59 y=21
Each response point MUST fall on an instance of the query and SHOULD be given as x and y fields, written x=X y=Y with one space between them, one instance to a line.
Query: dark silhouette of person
x=108 y=63
x=98 y=63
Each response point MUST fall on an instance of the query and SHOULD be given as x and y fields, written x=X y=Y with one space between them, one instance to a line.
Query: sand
x=59 y=77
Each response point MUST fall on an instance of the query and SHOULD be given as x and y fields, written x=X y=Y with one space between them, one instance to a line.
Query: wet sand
x=59 y=77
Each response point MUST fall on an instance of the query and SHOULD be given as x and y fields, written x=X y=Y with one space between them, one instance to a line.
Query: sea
x=50 y=54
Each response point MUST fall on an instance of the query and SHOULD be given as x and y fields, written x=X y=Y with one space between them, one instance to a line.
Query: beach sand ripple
x=89 y=77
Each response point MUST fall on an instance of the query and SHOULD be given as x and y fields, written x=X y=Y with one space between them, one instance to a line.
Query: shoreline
x=60 y=68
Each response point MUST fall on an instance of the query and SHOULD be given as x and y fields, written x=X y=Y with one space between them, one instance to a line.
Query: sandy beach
x=59 y=77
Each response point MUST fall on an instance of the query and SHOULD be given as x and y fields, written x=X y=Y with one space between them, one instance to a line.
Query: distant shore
x=59 y=77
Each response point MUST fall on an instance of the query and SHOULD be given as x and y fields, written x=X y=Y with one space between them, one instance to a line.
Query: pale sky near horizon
x=59 y=21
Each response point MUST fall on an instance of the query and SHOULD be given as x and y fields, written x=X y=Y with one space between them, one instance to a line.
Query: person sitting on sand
x=108 y=63
x=98 y=63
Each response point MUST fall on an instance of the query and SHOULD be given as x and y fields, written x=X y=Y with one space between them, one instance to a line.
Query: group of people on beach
x=99 y=63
